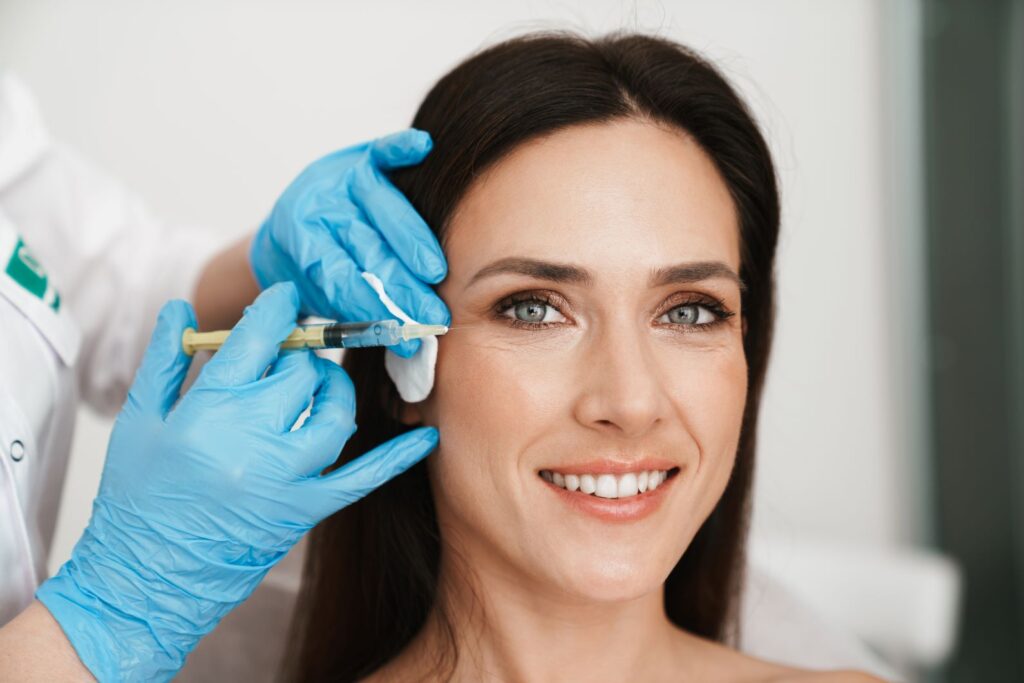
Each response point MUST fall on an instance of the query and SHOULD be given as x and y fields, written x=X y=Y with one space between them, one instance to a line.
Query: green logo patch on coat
x=24 y=269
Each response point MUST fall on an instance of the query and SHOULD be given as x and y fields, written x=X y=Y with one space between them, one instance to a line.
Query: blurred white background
x=209 y=109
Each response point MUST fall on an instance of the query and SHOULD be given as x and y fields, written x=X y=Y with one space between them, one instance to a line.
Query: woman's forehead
x=607 y=196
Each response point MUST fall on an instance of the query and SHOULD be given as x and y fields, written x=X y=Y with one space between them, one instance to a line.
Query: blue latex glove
x=199 y=500
x=342 y=216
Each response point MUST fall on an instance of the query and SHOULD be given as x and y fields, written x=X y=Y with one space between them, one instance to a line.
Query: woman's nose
x=621 y=388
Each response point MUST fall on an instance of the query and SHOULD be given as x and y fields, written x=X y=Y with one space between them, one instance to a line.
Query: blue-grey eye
x=533 y=311
x=690 y=314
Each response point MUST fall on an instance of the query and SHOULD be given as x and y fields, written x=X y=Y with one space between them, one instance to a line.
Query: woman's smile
x=609 y=492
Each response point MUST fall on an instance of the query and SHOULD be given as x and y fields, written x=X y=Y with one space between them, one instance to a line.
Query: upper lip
x=614 y=466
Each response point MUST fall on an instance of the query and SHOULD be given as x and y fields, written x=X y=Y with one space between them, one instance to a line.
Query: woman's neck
x=506 y=628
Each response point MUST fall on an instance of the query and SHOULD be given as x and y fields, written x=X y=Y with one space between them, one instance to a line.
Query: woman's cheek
x=713 y=402
x=490 y=398
x=721 y=388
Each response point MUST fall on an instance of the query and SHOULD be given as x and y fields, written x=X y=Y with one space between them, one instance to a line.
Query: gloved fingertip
x=420 y=443
x=436 y=269
x=286 y=288
x=175 y=316
x=279 y=301
x=427 y=262
x=428 y=435
x=406 y=349
x=404 y=148
x=434 y=312
x=422 y=140
x=411 y=142
x=165 y=362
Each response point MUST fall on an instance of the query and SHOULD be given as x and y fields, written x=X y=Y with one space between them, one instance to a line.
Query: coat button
x=17 y=450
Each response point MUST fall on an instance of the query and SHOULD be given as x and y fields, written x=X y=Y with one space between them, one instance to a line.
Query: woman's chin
x=609 y=580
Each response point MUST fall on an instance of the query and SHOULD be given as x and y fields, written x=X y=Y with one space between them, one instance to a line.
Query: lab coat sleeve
x=114 y=263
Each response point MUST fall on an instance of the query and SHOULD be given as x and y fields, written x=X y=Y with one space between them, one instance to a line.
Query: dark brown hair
x=372 y=569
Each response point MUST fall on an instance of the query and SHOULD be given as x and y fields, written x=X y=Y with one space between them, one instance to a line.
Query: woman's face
x=597 y=341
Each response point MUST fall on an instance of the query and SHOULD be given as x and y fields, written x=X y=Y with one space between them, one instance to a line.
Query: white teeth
x=608 y=485
x=627 y=485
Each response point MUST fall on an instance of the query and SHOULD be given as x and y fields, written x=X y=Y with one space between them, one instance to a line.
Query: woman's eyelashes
x=538 y=310
x=531 y=310
x=699 y=313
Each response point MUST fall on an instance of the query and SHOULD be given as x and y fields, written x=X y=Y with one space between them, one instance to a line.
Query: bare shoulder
x=761 y=671
x=720 y=662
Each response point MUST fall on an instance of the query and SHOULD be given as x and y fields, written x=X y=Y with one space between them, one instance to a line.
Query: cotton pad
x=414 y=376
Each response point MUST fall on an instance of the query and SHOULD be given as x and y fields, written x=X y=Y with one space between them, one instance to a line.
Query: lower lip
x=631 y=509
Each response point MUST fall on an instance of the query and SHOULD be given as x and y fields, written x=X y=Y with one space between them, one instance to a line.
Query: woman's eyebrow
x=695 y=272
x=535 y=268
x=563 y=272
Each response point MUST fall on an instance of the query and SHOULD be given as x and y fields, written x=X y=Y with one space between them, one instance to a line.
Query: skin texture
x=33 y=648
x=612 y=377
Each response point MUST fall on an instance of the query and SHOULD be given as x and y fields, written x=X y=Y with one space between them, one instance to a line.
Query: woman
x=609 y=213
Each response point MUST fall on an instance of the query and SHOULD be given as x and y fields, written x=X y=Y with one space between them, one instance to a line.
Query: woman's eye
x=534 y=311
x=690 y=314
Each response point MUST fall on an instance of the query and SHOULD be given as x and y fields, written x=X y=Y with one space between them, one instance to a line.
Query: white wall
x=209 y=109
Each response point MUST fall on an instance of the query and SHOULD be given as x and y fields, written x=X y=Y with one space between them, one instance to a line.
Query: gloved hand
x=198 y=500
x=342 y=216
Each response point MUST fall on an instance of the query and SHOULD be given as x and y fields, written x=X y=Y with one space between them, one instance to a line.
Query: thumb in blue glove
x=342 y=216
x=201 y=496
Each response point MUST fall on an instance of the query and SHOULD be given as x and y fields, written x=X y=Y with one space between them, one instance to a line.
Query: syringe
x=325 y=335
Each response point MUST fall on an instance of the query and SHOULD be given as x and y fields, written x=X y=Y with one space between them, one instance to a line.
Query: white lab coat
x=84 y=268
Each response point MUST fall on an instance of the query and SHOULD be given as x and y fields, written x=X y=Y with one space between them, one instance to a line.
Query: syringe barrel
x=355 y=335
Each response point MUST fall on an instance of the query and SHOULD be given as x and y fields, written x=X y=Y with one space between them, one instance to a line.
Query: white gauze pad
x=414 y=376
